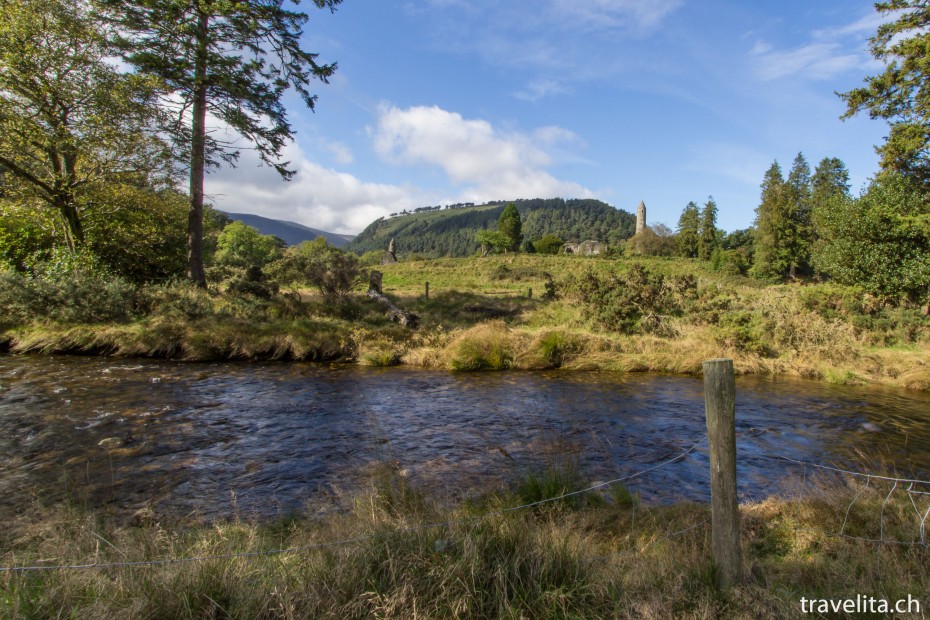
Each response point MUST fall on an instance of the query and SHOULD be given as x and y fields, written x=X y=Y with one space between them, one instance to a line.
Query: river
x=208 y=440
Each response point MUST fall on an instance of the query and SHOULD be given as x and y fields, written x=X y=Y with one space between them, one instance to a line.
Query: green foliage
x=638 y=301
x=655 y=240
x=492 y=241
x=688 y=226
x=232 y=60
x=878 y=241
x=331 y=270
x=549 y=244
x=511 y=226
x=240 y=245
x=773 y=230
x=707 y=232
x=451 y=231
x=69 y=120
x=900 y=94
x=729 y=262
x=77 y=296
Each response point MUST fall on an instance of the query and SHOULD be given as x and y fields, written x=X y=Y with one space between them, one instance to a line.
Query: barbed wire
x=348 y=541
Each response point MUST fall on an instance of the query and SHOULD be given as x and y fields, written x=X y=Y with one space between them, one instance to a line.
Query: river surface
x=210 y=440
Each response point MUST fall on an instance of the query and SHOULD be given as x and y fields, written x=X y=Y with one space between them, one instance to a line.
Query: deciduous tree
x=68 y=118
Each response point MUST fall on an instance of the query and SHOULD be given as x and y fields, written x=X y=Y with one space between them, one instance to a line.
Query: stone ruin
x=585 y=248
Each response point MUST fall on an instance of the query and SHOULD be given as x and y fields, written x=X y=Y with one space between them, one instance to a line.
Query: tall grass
x=613 y=559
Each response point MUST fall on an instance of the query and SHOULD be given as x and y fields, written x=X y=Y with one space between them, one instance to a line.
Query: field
x=480 y=315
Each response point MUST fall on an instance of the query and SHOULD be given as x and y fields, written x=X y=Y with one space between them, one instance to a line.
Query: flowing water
x=264 y=438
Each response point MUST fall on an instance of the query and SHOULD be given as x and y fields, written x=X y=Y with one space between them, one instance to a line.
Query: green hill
x=445 y=231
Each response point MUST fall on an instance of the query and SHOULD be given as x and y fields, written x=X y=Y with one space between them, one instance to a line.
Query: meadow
x=510 y=312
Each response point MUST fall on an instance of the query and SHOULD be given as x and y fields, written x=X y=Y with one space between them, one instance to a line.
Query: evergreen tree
x=800 y=232
x=831 y=179
x=688 y=226
x=771 y=229
x=900 y=94
x=707 y=234
x=511 y=227
x=234 y=60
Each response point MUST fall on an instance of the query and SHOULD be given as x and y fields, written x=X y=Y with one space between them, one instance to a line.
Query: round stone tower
x=640 y=217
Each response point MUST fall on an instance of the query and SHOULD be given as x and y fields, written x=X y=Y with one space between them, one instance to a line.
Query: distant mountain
x=444 y=231
x=291 y=232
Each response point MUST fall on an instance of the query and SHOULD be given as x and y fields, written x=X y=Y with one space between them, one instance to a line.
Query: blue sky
x=665 y=101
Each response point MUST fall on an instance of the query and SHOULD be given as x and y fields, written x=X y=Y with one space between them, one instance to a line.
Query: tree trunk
x=74 y=232
x=195 y=269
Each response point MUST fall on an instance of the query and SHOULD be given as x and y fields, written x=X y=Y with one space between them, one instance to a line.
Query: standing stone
x=640 y=217
x=389 y=256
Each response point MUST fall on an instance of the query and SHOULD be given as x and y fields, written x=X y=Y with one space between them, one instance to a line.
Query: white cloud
x=340 y=152
x=815 y=61
x=610 y=14
x=472 y=153
x=830 y=52
x=538 y=89
x=318 y=197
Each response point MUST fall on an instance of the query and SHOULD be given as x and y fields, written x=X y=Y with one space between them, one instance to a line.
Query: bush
x=77 y=298
x=548 y=244
x=334 y=272
x=179 y=298
x=638 y=301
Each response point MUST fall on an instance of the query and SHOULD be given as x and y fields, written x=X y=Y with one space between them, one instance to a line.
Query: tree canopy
x=68 y=119
x=901 y=93
x=233 y=60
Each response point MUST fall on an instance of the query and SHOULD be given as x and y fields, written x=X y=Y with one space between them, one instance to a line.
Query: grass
x=598 y=558
x=479 y=316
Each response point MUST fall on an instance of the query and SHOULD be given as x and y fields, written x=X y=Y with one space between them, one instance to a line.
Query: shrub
x=78 y=298
x=331 y=270
x=549 y=244
x=636 y=301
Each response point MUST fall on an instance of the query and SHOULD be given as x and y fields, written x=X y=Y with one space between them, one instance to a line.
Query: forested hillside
x=451 y=231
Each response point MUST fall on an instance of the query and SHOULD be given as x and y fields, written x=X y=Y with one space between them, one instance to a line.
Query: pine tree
x=900 y=94
x=831 y=179
x=511 y=227
x=800 y=232
x=707 y=235
x=688 y=226
x=771 y=230
x=234 y=60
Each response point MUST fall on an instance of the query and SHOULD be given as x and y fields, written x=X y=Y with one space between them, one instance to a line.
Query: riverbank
x=495 y=313
x=392 y=552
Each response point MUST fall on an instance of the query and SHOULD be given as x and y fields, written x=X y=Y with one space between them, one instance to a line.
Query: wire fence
x=916 y=491
x=360 y=539
x=893 y=520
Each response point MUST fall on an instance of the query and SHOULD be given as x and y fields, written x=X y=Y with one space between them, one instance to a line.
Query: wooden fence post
x=529 y=293
x=720 y=406
x=427 y=290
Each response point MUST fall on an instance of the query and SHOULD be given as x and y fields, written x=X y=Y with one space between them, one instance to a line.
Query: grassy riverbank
x=479 y=316
x=595 y=556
